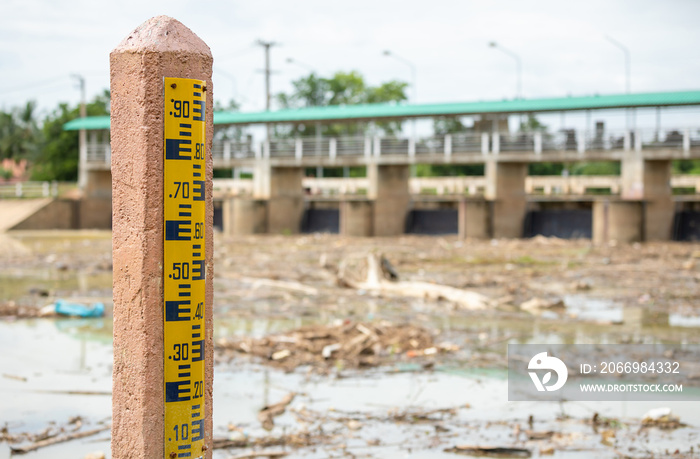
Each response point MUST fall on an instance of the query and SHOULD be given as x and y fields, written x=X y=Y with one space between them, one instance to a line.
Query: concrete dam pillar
x=283 y=190
x=650 y=181
x=505 y=187
x=388 y=187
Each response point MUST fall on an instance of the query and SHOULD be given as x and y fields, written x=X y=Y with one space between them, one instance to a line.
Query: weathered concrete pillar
x=505 y=186
x=285 y=207
x=245 y=216
x=96 y=204
x=632 y=175
x=160 y=47
x=356 y=218
x=388 y=187
x=473 y=218
x=658 y=196
x=619 y=221
x=283 y=190
x=650 y=181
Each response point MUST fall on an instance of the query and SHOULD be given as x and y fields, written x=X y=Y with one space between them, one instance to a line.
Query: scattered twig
x=267 y=414
x=253 y=454
x=58 y=439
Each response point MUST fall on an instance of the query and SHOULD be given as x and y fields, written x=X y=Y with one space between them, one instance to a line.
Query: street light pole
x=413 y=72
x=628 y=61
x=414 y=99
x=631 y=115
x=301 y=64
x=267 y=45
x=82 y=136
x=518 y=67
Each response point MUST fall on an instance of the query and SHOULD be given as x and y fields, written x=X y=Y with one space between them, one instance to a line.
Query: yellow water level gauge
x=183 y=266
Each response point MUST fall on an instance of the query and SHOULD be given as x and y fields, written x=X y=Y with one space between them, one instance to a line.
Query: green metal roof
x=89 y=123
x=393 y=111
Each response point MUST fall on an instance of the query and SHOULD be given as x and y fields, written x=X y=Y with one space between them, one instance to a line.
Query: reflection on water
x=586 y=308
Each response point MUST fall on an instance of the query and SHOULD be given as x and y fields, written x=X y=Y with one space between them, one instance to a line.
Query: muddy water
x=55 y=369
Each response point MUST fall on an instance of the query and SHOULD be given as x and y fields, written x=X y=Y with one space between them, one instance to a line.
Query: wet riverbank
x=54 y=369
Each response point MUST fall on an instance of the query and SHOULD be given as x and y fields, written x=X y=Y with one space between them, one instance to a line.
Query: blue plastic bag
x=79 y=310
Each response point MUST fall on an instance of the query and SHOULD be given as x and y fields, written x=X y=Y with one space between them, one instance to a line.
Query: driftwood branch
x=266 y=415
x=253 y=454
x=378 y=280
x=282 y=285
x=58 y=439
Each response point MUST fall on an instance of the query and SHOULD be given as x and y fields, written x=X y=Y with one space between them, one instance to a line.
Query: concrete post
x=473 y=219
x=282 y=187
x=388 y=187
x=619 y=221
x=650 y=181
x=538 y=142
x=356 y=219
x=160 y=47
x=658 y=195
x=244 y=216
x=505 y=186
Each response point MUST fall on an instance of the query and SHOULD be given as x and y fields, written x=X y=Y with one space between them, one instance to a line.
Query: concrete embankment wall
x=57 y=214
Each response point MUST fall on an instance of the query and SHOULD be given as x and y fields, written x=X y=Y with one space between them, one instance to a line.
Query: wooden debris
x=379 y=278
x=350 y=344
x=283 y=285
x=490 y=451
x=295 y=440
x=267 y=414
x=253 y=454
x=537 y=305
x=57 y=439
x=661 y=418
x=18 y=378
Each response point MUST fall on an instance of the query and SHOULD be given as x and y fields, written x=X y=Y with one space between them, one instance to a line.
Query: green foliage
x=20 y=136
x=582 y=168
x=5 y=174
x=545 y=168
x=442 y=170
x=686 y=166
x=596 y=168
x=532 y=124
x=231 y=106
x=353 y=172
x=344 y=88
x=448 y=125
x=228 y=132
x=58 y=157
x=223 y=173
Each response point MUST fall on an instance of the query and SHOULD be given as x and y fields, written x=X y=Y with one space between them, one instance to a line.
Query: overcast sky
x=562 y=45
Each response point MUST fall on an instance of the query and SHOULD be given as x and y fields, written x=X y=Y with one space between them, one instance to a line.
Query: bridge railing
x=29 y=190
x=461 y=186
x=99 y=152
x=227 y=150
x=568 y=140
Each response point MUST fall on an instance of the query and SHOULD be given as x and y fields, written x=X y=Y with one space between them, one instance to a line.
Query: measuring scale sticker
x=183 y=266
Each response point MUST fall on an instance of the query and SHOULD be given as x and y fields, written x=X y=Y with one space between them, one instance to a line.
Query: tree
x=344 y=88
x=59 y=155
x=20 y=136
x=448 y=125
x=227 y=132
